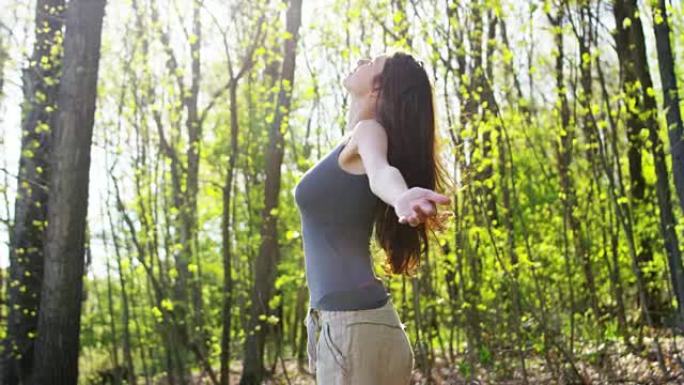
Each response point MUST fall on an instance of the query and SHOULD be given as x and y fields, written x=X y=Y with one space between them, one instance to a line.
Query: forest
x=149 y=150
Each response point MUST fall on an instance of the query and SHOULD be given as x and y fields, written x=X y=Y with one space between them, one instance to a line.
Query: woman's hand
x=416 y=204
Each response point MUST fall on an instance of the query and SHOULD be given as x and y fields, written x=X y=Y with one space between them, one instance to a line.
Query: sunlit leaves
x=291 y=234
x=158 y=315
x=192 y=268
x=167 y=304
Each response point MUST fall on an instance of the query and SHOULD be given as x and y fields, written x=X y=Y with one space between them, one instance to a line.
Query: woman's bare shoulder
x=369 y=131
x=366 y=128
x=368 y=123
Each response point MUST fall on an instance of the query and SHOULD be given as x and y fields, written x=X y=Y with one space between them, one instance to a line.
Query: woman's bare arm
x=412 y=205
x=385 y=180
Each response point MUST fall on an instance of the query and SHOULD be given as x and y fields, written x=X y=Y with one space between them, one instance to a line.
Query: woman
x=355 y=335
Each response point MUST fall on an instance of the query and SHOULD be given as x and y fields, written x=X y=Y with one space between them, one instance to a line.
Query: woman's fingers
x=423 y=206
x=413 y=221
x=406 y=219
x=418 y=212
x=438 y=198
x=432 y=195
x=427 y=208
x=422 y=209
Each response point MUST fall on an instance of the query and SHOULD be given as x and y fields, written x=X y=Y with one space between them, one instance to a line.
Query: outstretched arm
x=412 y=205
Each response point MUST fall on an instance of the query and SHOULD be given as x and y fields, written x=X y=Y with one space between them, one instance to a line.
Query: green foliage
x=541 y=206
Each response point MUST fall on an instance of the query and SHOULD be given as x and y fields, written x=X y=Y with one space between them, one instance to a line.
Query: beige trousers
x=359 y=347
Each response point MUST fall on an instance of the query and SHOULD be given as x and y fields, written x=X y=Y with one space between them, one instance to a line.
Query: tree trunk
x=30 y=207
x=636 y=80
x=57 y=344
x=4 y=55
x=675 y=131
x=189 y=209
x=110 y=309
x=226 y=246
x=125 y=307
x=267 y=260
x=581 y=234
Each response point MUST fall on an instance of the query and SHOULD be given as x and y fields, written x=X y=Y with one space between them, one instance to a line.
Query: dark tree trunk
x=267 y=260
x=125 y=311
x=112 y=317
x=226 y=246
x=563 y=149
x=474 y=260
x=170 y=333
x=581 y=237
x=486 y=81
x=57 y=343
x=636 y=81
x=177 y=352
x=189 y=209
x=227 y=220
x=676 y=134
x=4 y=55
x=30 y=207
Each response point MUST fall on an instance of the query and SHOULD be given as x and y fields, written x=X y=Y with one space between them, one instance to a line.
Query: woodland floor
x=615 y=366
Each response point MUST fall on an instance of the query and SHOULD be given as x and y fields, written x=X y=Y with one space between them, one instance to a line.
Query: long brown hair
x=404 y=107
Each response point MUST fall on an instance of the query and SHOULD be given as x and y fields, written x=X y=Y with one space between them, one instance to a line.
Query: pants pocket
x=380 y=353
x=337 y=346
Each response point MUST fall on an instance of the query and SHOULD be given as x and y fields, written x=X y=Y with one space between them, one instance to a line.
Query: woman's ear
x=374 y=92
x=373 y=95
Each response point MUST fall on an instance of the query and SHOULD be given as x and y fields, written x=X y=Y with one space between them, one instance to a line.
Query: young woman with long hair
x=383 y=177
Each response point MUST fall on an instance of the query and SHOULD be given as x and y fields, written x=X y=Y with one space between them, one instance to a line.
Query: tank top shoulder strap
x=345 y=139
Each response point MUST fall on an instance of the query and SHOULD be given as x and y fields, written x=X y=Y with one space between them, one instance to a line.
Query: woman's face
x=359 y=81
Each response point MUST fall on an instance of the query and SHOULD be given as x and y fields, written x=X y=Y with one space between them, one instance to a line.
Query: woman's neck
x=359 y=109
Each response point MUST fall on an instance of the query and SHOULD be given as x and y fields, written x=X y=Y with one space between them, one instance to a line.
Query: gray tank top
x=336 y=210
